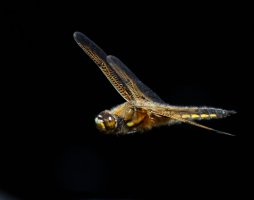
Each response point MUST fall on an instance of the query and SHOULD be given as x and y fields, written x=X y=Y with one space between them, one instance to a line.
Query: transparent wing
x=100 y=57
x=137 y=89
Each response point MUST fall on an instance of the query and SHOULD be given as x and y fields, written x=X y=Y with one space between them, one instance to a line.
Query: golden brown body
x=140 y=116
x=143 y=108
x=137 y=119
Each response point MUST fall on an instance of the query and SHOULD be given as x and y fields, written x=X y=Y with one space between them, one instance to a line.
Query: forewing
x=137 y=89
x=100 y=57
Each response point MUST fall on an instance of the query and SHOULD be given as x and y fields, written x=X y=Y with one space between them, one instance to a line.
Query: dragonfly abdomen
x=206 y=113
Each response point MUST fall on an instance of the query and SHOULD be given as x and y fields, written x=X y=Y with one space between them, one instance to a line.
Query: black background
x=189 y=54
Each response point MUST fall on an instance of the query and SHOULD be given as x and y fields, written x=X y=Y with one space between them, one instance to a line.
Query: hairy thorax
x=133 y=117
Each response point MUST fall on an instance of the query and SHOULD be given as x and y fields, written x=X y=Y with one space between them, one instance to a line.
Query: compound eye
x=100 y=123
x=111 y=122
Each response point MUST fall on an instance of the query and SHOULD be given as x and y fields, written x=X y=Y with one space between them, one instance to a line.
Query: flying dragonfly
x=143 y=108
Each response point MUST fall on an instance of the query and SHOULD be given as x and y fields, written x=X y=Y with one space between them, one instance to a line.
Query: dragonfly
x=143 y=109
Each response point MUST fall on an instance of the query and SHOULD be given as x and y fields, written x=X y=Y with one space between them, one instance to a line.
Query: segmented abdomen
x=206 y=113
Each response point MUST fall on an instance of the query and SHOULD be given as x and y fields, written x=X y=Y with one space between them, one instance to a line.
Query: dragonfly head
x=106 y=122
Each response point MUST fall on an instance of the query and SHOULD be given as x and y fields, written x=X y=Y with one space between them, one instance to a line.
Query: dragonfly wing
x=137 y=89
x=100 y=58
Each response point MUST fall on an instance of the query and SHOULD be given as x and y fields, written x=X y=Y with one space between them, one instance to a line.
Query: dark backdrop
x=189 y=54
